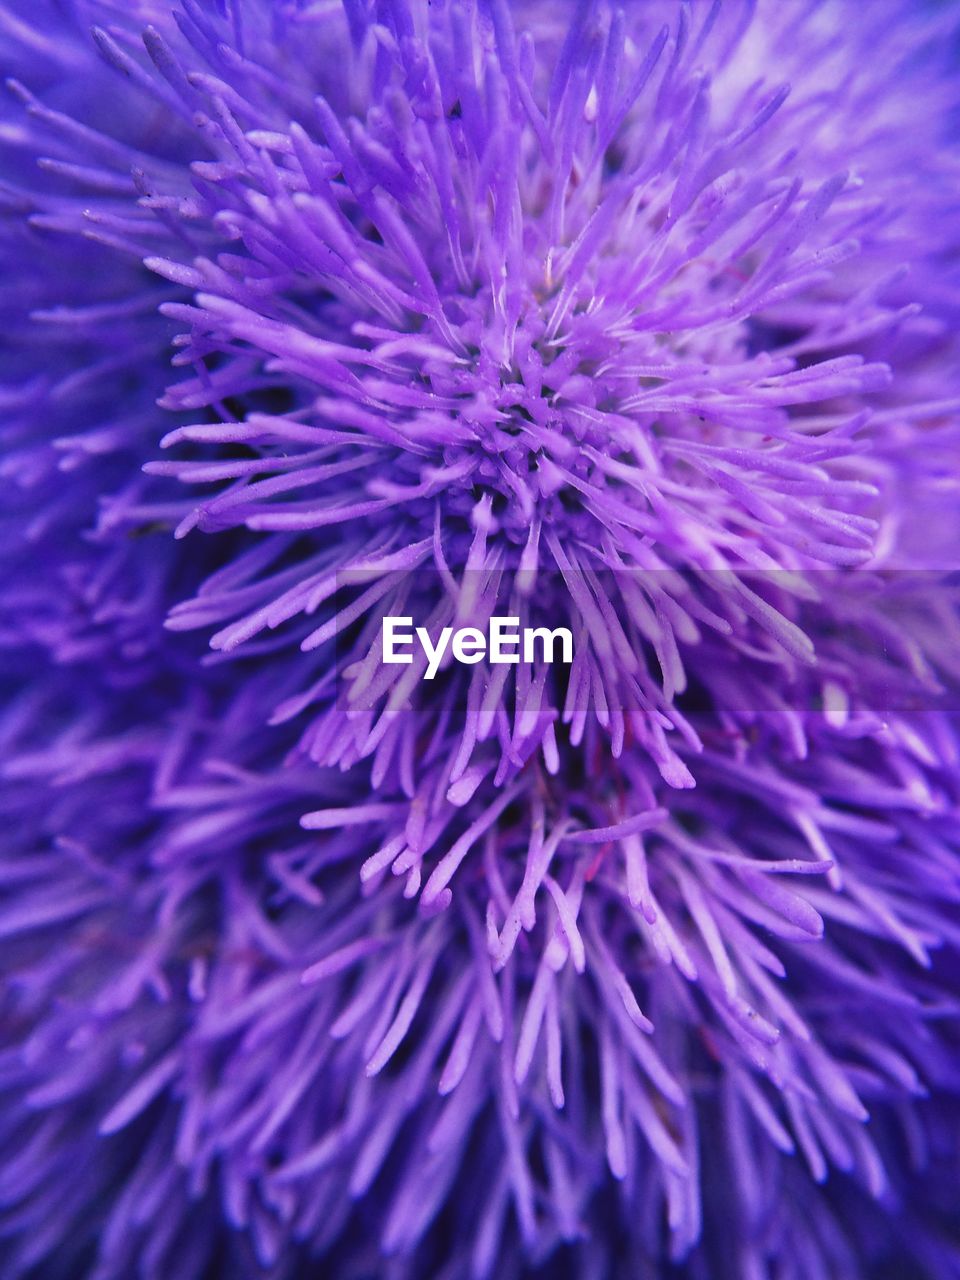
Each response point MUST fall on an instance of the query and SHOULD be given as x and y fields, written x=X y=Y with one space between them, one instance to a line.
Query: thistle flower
x=627 y=320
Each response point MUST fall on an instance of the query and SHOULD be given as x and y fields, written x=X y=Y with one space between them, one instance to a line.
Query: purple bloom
x=640 y=322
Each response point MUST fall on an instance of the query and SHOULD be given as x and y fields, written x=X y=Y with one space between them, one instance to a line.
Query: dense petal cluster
x=638 y=320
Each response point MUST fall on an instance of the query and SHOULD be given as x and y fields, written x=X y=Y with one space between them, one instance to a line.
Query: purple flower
x=640 y=322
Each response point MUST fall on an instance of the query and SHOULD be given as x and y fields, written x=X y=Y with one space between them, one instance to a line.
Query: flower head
x=626 y=320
